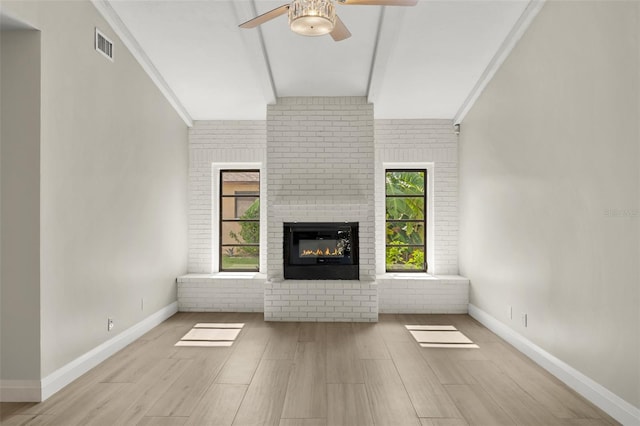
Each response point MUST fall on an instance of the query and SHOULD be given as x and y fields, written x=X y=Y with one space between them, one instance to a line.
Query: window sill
x=223 y=276
x=419 y=276
x=406 y=276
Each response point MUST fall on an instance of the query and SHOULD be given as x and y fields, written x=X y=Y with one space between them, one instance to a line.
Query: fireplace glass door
x=324 y=250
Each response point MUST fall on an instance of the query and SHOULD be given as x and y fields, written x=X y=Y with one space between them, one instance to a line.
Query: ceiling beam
x=516 y=33
x=256 y=50
x=389 y=26
x=119 y=27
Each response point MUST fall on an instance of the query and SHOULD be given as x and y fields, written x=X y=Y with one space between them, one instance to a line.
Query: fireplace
x=321 y=251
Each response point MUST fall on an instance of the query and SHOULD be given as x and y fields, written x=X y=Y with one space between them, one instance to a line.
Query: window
x=405 y=223
x=239 y=220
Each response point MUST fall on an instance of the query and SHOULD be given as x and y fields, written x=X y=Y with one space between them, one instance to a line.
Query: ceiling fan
x=318 y=17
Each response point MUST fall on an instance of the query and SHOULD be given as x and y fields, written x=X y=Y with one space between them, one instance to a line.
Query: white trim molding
x=76 y=368
x=516 y=33
x=389 y=25
x=256 y=50
x=606 y=400
x=121 y=30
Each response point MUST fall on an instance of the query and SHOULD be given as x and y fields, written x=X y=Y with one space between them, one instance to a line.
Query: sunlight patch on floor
x=440 y=336
x=211 y=335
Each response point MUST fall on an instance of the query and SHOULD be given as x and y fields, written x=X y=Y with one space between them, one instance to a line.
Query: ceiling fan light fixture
x=312 y=17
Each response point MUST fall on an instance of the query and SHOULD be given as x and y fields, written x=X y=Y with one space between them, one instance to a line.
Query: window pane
x=240 y=181
x=240 y=258
x=241 y=208
x=405 y=208
x=405 y=233
x=402 y=258
x=240 y=233
x=404 y=183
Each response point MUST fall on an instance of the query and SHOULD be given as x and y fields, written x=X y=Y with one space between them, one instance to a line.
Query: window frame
x=424 y=221
x=222 y=220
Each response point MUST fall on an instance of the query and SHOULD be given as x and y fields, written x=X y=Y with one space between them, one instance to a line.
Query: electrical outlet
x=510 y=312
x=142 y=303
x=110 y=324
x=524 y=319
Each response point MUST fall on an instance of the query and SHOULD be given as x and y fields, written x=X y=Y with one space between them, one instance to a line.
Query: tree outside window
x=405 y=199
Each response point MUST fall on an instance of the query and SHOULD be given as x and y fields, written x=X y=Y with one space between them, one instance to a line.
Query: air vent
x=104 y=45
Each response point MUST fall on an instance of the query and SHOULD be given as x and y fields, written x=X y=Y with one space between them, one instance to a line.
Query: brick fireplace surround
x=323 y=160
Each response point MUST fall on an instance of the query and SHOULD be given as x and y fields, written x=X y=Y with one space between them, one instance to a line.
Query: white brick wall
x=215 y=142
x=324 y=300
x=441 y=295
x=423 y=141
x=320 y=167
x=322 y=164
x=203 y=293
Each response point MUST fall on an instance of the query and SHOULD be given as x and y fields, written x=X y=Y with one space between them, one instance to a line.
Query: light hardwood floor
x=313 y=374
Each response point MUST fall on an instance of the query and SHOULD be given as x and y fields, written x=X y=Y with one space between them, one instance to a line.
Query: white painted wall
x=549 y=190
x=113 y=204
x=20 y=201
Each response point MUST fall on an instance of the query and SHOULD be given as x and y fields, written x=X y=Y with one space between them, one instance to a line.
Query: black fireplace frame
x=321 y=268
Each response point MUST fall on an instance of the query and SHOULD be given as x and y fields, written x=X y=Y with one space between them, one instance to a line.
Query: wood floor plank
x=373 y=374
x=390 y=403
x=312 y=332
x=303 y=422
x=162 y=421
x=449 y=371
x=144 y=395
x=218 y=405
x=473 y=329
x=184 y=394
x=556 y=397
x=369 y=342
x=79 y=412
x=134 y=399
x=11 y=408
x=343 y=364
x=443 y=422
x=586 y=422
x=26 y=420
x=244 y=359
x=518 y=404
x=283 y=340
x=307 y=390
x=394 y=332
x=262 y=404
x=348 y=405
x=477 y=407
x=428 y=396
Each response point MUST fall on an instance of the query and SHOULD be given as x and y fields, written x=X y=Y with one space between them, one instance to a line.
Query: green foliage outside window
x=405 y=220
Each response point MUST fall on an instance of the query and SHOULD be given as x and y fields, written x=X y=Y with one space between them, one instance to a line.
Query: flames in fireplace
x=319 y=252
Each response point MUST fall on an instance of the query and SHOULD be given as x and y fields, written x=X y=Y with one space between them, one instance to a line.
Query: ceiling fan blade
x=252 y=23
x=380 y=2
x=340 y=31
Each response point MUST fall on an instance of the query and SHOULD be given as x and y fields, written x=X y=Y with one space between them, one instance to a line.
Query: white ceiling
x=411 y=62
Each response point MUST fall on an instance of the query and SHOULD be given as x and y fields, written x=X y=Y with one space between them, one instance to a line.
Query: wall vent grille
x=104 y=45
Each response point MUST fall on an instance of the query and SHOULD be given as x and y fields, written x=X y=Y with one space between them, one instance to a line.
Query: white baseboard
x=606 y=400
x=19 y=390
x=76 y=368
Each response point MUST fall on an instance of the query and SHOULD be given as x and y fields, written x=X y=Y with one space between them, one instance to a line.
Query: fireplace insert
x=321 y=251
